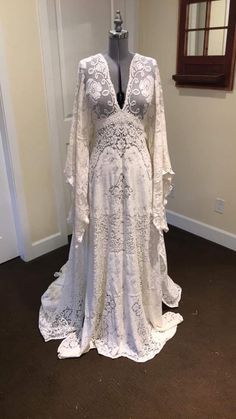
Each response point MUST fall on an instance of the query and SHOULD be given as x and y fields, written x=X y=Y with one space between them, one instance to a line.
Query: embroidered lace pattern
x=109 y=293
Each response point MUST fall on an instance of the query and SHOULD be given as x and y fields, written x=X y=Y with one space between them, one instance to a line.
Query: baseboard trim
x=48 y=244
x=214 y=234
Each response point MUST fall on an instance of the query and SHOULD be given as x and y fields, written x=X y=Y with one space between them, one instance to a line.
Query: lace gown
x=109 y=293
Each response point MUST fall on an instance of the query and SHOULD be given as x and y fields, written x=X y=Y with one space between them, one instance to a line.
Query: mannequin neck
x=118 y=49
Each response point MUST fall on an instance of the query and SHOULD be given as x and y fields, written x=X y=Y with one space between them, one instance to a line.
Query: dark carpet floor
x=192 y=377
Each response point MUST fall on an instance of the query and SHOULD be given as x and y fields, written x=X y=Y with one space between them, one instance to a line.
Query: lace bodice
x=101 y=93
x=99 y=120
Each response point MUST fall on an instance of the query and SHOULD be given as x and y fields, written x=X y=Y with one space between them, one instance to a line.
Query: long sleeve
x=158 y=148
x=76 y=168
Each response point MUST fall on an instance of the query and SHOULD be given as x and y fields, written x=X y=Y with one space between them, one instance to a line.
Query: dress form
x=119 y=58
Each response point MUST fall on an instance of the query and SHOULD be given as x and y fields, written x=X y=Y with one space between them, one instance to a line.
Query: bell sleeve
x=76 y=168
x=162 y=172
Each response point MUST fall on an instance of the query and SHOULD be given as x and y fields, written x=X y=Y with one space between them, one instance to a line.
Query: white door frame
x=11 y=153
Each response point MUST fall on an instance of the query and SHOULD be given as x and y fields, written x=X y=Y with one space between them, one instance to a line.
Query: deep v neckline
x=112 y=85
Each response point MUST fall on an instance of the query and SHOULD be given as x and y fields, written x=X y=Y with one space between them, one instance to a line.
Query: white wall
x=201 y=126
x=20 y=32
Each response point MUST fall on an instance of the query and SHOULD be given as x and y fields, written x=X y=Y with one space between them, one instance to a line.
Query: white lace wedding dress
x=109 y=293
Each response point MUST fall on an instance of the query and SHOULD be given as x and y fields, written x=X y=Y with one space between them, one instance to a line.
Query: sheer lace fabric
x=109 y=293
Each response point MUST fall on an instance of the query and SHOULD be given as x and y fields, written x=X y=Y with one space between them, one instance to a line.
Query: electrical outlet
x=219 y=205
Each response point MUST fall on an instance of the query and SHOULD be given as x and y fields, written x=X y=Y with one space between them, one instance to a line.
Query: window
x=206 y=44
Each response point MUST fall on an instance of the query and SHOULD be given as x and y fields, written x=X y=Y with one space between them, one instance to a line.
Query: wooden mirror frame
x=205 y=71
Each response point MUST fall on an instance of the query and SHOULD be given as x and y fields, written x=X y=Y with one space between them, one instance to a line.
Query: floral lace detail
x=141 y=88
x=109 y=294
x=121 y=189
x=146 y=87
x=123 y=232
x=77 y=161
x=120 y=134
x=56 y=320
x=171 y=292
x=98 y=92
x=94 y=89
x=155 y=126
x=101 y=93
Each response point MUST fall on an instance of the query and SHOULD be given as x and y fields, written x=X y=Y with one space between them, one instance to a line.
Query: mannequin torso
x=118 y=55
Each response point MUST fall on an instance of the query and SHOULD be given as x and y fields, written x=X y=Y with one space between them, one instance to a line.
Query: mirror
x=207 y=24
